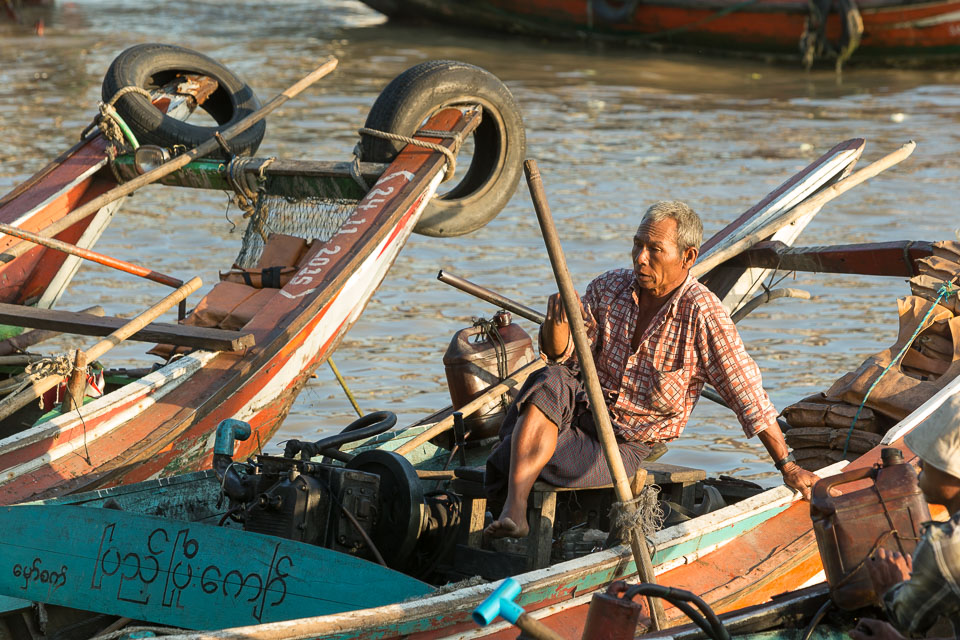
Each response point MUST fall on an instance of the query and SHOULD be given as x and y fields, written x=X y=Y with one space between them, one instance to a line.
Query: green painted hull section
x=183 y=574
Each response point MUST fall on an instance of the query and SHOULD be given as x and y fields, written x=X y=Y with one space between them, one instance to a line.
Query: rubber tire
x=499 y=141
x=150 y=66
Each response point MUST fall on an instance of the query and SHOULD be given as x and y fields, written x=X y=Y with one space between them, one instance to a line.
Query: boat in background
x=877 y=31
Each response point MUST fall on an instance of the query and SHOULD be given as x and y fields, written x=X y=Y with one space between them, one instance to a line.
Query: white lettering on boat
x=317 y=265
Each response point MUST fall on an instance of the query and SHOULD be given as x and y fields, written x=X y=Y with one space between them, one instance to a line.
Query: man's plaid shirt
x=933 y=590
x=690 y=341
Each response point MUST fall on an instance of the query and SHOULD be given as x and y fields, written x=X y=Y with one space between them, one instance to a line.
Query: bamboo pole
x=12 y=404
x=806 y=207
x=92 y=256
x=598 y=406
x=173 y=164
x=514 y=380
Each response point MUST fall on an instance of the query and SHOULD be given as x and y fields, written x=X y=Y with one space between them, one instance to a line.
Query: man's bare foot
x=505 y=527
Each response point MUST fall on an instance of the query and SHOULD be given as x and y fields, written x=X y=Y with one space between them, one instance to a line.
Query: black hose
x=370 y=425
x=713 y=627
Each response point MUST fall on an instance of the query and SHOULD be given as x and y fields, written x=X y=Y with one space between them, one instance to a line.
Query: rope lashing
x=642 y=514
x=61 y=365
x=451 y=155
x=946 y=290
x=245 y=198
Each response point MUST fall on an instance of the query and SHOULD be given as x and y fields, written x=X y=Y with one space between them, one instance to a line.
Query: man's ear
x=690 y=256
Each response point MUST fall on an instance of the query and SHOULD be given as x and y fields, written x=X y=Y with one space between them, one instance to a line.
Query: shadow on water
x=613 y=131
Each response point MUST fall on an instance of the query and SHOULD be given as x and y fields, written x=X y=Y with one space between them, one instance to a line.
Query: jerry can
x=886 y=513
x=480 y=356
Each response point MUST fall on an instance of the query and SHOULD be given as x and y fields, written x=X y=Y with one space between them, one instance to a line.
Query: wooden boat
x=879 y=30
x=758 y=545
x=251 y=360
x=40 y=276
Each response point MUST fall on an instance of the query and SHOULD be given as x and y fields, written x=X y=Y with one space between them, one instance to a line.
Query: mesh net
x=310 y=218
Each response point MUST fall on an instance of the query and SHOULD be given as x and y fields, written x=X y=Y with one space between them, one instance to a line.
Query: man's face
x=658 y=264
x=938 y=487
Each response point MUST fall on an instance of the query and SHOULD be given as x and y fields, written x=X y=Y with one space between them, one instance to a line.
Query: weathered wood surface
x=90 y=325
x=898 y=259
x=184 y=574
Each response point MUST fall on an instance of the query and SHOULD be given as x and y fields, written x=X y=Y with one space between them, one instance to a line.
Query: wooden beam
x=896 y=259
x=86 y=324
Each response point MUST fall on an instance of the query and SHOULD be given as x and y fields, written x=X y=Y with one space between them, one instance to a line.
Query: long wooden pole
x=173 y=164
x=14 y=403
x=92 y=256
x=804 y=208
x=598 y=406
x=514 y=380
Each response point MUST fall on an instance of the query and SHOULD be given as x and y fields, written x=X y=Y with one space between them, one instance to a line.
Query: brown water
x=612 y=130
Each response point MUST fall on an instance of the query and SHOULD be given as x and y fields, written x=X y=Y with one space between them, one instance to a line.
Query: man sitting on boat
x=657 y=336
x=917 y=591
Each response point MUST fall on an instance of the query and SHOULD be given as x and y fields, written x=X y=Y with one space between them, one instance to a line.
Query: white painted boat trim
x=921 y=413
x=72 y=264
x=157 y=384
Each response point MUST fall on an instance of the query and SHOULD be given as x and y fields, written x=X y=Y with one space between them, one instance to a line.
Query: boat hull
x=904 y=31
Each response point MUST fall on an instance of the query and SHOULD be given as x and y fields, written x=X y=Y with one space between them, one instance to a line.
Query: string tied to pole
x=946 y=290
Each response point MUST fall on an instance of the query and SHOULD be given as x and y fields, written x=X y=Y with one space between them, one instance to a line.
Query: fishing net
x=313 y=217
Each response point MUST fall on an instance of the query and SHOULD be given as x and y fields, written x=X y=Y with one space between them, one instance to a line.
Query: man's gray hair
x=689 y=226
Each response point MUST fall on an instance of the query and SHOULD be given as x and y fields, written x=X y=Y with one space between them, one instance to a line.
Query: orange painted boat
x=320 y=243
x=895 y=31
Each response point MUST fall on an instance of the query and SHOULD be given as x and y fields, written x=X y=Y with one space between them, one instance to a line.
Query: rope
x=396 y=137
x=60 y=365
x=946 y=290
x=492 y=333
x=642 y=514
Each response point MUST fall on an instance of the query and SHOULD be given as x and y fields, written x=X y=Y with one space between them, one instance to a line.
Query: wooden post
x=76 y=383
x=598 y=406
x=174 y=164
x=10 y=405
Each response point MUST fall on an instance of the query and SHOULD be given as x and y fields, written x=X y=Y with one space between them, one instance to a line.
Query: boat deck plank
x=90 y=325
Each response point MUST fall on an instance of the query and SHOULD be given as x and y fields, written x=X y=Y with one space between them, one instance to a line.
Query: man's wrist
x=783 y=462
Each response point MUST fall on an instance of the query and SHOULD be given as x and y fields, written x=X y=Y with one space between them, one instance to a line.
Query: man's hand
x=798 y=478
x=888 y=568
x=870 y=629
x=555 y=331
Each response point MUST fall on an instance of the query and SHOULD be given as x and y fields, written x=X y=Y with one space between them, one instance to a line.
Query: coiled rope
x=451 y=155
x=946 y=290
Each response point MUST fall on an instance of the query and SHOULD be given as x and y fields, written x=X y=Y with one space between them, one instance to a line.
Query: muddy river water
x=613 y=131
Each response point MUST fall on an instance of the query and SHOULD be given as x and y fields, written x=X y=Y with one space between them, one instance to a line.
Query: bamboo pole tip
x=531 y=169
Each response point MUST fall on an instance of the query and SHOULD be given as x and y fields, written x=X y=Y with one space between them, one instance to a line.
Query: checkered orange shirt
x=690 y=341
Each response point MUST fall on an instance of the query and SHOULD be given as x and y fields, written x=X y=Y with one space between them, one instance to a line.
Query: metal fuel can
x=884 y=511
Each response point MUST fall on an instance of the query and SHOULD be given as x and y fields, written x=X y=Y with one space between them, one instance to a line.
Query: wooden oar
x=804 y=208
x=174 y=164
x=14 y=403
x=598 y=405
x=512 y=382
x=92 y=256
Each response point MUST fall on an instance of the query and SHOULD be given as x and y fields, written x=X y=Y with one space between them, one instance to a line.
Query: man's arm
x=794 y=476
x=736 y=377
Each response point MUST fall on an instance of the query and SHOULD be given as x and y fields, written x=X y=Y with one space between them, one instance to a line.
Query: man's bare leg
x=532 y=444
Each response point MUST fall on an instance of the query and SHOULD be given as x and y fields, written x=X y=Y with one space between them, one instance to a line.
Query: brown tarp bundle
x=820 y=424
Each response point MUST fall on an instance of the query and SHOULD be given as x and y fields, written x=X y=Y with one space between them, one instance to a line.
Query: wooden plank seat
x=243 y=293
x=86 y=324
x=677 y=484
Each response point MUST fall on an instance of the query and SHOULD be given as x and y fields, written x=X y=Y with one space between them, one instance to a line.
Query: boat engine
x=373 y=507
